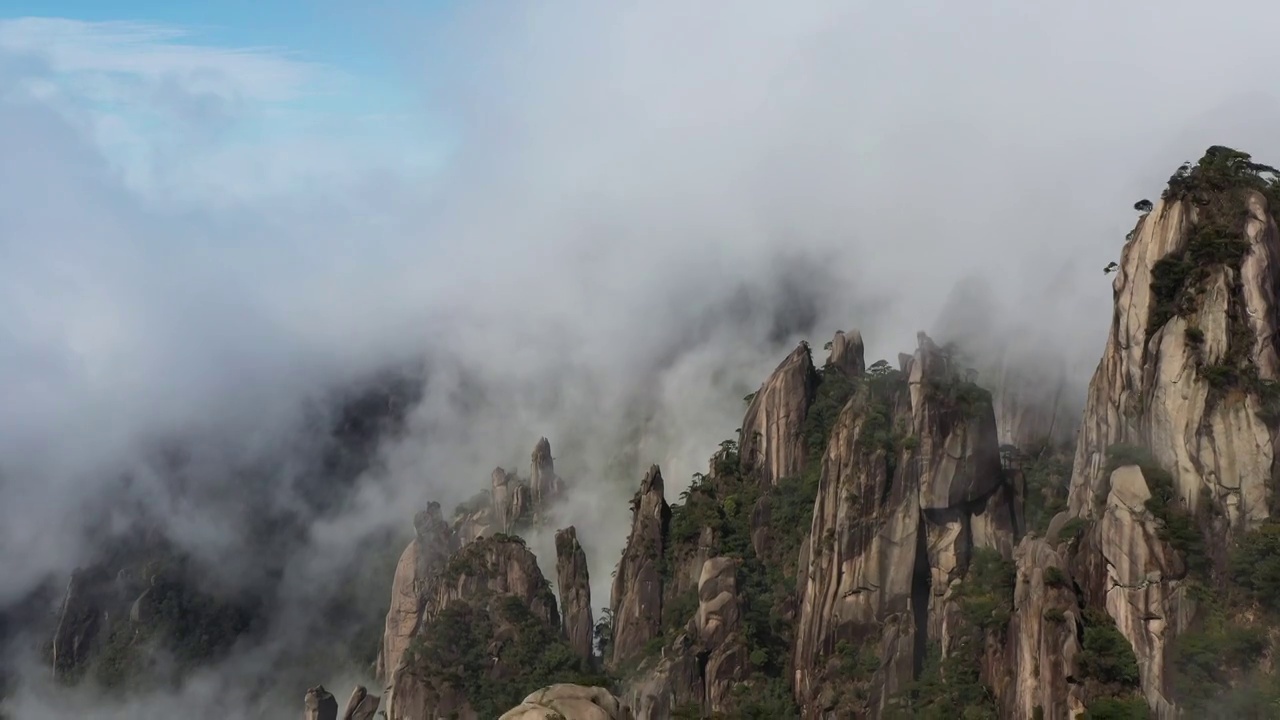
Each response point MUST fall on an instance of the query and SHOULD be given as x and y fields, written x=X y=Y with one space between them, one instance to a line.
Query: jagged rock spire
x=772 y=444
x=636 y=600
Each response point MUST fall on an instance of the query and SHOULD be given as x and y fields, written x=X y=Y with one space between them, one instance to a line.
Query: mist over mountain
x=251 y=369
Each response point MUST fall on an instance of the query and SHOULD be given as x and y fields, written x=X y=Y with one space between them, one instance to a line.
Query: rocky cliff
x=1176 y=455
x=1189 y=366
x=911 y=486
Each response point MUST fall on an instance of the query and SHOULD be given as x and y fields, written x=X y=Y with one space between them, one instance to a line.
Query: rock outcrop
x=504 y=488
x=1126 y=568
x=499 y=566
x=574 y=584
x=319 y=704
x=426 y=553
x=707 y=660
x=362 y=705
x=508 y=506
x=772 y=442
x=479 y=578
x=846 y=354
x=569 y=702
x=1032 y=669
x=636 y=599
x=716 y=630
x=911 y=483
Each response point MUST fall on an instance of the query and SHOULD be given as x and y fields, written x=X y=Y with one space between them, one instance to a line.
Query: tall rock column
x=426 y=553
x=544 y=484
x=503 y=498
x=847 y=354
x=575 y=592
x=772 y=442
x=636 y=600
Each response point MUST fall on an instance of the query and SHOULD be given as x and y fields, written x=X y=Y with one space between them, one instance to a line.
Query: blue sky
x=309 y=87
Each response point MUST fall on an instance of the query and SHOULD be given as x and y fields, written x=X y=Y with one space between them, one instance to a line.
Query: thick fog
x=633 y=212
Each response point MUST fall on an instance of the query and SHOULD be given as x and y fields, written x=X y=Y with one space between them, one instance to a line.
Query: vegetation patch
x=1107 y=656
x=1046 y=471
x=190 y=626
x=947 y=688
x=458 y=648
x=1073 y=529
x=1208 y=658
x=1254 y=565
x=1117 y=708
x=834 y=391
x=1054 y=577
x=986 y=593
